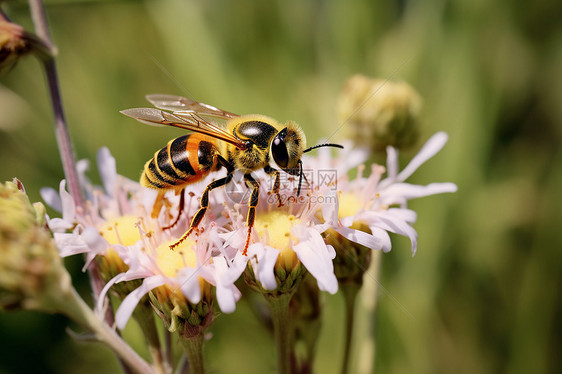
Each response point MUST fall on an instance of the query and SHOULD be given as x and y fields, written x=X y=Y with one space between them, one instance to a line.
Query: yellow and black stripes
x=184 y=160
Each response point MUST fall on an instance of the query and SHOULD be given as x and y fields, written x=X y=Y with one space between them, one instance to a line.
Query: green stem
x=193 y=347
x=79 y=311
x=366 y=317
x=350 y=291
x=279 y=306
x=145 y=317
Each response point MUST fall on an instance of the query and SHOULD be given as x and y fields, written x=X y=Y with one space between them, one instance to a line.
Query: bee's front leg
x=198 y=217
x=254 y=199
x=276 y=183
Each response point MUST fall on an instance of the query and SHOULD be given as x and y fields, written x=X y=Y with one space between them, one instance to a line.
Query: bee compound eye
x=279 y=152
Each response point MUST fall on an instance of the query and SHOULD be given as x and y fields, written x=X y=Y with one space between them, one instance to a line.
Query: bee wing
x=187 y=120
x=178 y=103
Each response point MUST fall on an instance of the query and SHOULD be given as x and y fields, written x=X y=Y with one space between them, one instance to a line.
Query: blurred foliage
x=483 y=293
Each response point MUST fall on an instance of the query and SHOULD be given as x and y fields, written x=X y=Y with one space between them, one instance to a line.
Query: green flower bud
x=379 y=112
x=32 y=274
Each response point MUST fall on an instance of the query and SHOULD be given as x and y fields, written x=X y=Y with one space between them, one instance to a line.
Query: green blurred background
x=483 y=293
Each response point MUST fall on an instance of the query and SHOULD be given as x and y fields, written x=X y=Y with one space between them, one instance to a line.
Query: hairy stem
x=193 y=347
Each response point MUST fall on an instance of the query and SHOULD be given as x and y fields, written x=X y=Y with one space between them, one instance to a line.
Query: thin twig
x=61 y=129
x=4 y=16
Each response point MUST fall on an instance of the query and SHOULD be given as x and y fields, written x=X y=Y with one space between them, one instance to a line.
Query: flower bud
x=32 y=274
x=379 y=113
x=16 y=42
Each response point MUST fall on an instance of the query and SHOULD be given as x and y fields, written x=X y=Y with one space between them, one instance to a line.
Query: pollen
x=121 y=230
x=276 y=227
x=170 y=262
x=349 y=204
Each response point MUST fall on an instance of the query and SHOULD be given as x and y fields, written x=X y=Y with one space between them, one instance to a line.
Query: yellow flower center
x=349 y=204
x=121 y=230
x=278 y=226
x=170 y=262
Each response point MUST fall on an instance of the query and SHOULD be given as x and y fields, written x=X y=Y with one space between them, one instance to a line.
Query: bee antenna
x=323 y=145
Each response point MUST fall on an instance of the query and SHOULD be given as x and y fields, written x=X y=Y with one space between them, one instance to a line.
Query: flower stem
x=61 y=129
x=366 y=314
x=145 y=317
x=193 y=347
x=4 y=16
x=279 y=306
x=74 y=307
x=350 y=291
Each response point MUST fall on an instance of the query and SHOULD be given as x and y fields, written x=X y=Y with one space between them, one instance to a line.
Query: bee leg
x=254 y=199
x=276 y=184
x=158 y=202
x=198 y=217
x=180 y=211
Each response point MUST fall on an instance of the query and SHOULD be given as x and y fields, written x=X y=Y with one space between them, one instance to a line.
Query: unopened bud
x=16 y=42
x=379 y=112
x=32 y=275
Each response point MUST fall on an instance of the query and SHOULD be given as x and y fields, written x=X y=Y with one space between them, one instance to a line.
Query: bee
x=246 y=143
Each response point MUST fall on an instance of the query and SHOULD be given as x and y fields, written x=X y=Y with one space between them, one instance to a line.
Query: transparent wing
x=178 y=103
x=187 y=120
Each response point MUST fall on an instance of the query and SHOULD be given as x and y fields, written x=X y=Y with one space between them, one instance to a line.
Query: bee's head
x=287 y=148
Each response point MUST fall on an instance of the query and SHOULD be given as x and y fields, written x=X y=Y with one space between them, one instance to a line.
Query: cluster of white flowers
x=117 y=222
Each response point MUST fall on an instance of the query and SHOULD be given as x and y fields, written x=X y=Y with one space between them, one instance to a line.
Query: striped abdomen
x=184 y=160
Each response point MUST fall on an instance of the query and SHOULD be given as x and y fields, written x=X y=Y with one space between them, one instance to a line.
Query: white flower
x=283 y=236
x=382 y=204
x=188 y=272
x=117 y=226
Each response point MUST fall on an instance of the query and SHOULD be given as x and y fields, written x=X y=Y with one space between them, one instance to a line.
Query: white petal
x=59 y=225
x=227 y=293
x=392 y=162
x=330 y=210
x=353 y=158
x=384 y=237
x=407 y=215
x=51 y=198
x=107 y=169
x=130 y=302
x=430 y=149
x=94 y=240
x=265 y=259
x=317 y=258
x=189 y=284
x=403 y=228
x=360 y=237
x=406 y=191
x=68 y=208
x=70 y=244
x=101 y=297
